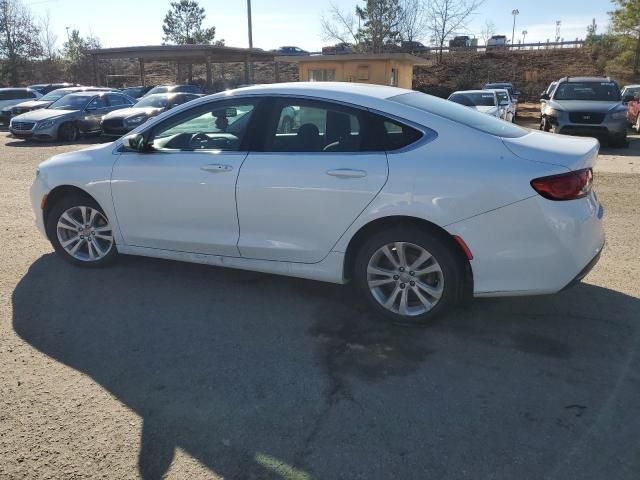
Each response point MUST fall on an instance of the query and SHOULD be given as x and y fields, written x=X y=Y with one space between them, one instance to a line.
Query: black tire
x=68 y=132
x=545 y=125
x=619 y=142
x=436 y=243
x=57 y=210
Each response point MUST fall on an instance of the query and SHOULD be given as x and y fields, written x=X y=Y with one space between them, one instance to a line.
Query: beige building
x=395 y=69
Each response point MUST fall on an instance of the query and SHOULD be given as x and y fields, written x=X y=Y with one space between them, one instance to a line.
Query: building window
x=363 y=72
x=394 y=77
x=322 y=75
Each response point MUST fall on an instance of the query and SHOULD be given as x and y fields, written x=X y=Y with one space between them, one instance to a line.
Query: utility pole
x=250 y=63
x=515 y=13
x=558 y=23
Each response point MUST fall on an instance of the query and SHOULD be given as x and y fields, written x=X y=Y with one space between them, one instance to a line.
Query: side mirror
x=90 y=109
x=545 y=96
x=135 y=142
x=504 y=103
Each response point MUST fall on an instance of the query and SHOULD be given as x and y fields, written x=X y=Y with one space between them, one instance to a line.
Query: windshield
x=631 y=91
x=158 y=90
x=154 y=101
x=55 y=95
x=598 y=91
x=71 y=102
x=503 y=96
x=457 y=113
x=474 y=99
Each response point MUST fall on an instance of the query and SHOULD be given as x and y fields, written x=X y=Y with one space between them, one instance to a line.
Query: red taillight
x=566 y=186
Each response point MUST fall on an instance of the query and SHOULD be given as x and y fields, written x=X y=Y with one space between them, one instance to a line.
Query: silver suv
x=590 y=106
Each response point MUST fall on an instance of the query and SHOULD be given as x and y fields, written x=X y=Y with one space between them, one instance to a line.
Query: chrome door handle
x=216 y=168
x=347 y=173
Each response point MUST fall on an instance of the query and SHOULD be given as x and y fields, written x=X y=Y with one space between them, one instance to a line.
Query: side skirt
x=328 y=270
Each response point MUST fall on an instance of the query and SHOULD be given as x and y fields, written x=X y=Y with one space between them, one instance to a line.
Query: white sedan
x=417 y=200
x=485 y=101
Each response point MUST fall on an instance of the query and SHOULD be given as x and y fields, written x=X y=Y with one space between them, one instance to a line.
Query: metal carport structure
x=191 y=54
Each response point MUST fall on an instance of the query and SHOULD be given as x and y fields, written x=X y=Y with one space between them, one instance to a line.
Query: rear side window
x=386 y=135
x=326 y=127
x=117 y=100
x=460 y=114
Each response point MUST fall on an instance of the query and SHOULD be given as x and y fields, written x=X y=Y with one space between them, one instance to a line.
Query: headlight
x=45 y=124
x=552 y=112
x=619 y=115
x=135 y=120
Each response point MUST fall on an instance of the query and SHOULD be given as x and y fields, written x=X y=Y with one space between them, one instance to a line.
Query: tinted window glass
x=458 y=113
x=384 y=134
x=220 y=126
x=604 y=91
x=472 y=99
x=117 y=100
x=312 y=126
x=5 y=95
x=98 y=102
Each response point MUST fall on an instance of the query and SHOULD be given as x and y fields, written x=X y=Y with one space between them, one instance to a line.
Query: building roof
x=193 y=52
x=355 y=57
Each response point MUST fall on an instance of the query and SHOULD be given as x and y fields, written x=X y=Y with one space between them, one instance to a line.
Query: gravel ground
x=155 y=369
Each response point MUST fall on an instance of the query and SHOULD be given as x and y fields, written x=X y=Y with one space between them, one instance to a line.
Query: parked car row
x=585 y=106
x=499 y=100
x=67 y=113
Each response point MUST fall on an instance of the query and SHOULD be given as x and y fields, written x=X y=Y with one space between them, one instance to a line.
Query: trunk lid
x=573 y=153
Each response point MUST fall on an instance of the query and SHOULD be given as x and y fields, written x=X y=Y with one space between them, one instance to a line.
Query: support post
x=95 y=70
x=178 y=73
x=209 y=76
x=247 y=74
x=276 y=68
x=142 y=79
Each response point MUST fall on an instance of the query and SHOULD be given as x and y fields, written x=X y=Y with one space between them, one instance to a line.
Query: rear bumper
x=584 y=272
x=535 y=246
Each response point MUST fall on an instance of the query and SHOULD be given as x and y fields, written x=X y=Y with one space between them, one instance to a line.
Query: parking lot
x=155 y=368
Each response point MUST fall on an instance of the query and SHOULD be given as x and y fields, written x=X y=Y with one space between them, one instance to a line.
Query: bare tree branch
x=488 y=31
x=448 y=17
x=339 y=26
x=48 y=39
x=412 y=22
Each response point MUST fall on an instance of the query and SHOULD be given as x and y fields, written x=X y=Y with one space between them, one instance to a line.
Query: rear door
x=299 y=194
x=93 y=113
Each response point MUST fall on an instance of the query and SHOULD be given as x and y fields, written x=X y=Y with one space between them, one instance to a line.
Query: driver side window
x=216 y=127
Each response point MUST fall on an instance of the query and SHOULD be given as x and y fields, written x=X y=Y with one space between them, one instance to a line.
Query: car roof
x=91 y=93
x=21 y=89
x=475 y=91
x=586 y=79
x=635 y=85
x=324 y=89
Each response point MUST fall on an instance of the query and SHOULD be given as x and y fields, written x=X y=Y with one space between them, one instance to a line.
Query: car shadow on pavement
x=237 y=367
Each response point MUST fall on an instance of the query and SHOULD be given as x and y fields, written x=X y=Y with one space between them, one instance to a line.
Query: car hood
x=486 y=109
x=583 y=105
x=33 y=104
x=132 y=112
x=572 y=153
x=45 y=114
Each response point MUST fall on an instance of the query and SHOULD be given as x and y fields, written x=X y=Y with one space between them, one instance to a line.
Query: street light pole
x=515 y=13
x=250 y=29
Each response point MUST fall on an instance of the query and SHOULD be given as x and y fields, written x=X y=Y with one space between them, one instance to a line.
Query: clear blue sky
x=296 y=22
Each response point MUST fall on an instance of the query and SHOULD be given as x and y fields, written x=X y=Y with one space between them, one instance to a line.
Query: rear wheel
x=545 y=125
x=80 y=232
x=68 y=132
x=408 y=274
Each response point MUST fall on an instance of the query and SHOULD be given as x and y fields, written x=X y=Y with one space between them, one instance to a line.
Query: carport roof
x=355 y=57
x=186 y=52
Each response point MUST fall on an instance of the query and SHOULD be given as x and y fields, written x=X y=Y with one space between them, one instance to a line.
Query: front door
x=181 y=194
x=298 y=196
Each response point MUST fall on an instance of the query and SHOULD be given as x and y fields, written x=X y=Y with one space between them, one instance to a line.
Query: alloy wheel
x=405 y=278
x=84 y=233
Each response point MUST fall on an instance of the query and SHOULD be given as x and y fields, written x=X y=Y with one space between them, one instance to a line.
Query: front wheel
x=68 y=132
x=81 y=233
x=408 y=274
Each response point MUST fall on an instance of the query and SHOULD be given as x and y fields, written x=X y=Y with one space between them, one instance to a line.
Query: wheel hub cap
x=84 y=233
x=405 y=278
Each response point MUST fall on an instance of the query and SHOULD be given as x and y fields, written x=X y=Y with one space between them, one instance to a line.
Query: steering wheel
x=199 y=141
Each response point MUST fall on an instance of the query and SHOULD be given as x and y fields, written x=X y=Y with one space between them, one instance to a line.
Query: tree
x=339 y=26
x=626 y=21
x=380 y=20
x=76 y=51
x=447 y=17
x=48 y=39
x=488 y=31
x=592 y=30
x=18 y=37
x=183 y=24
x=412 y=22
